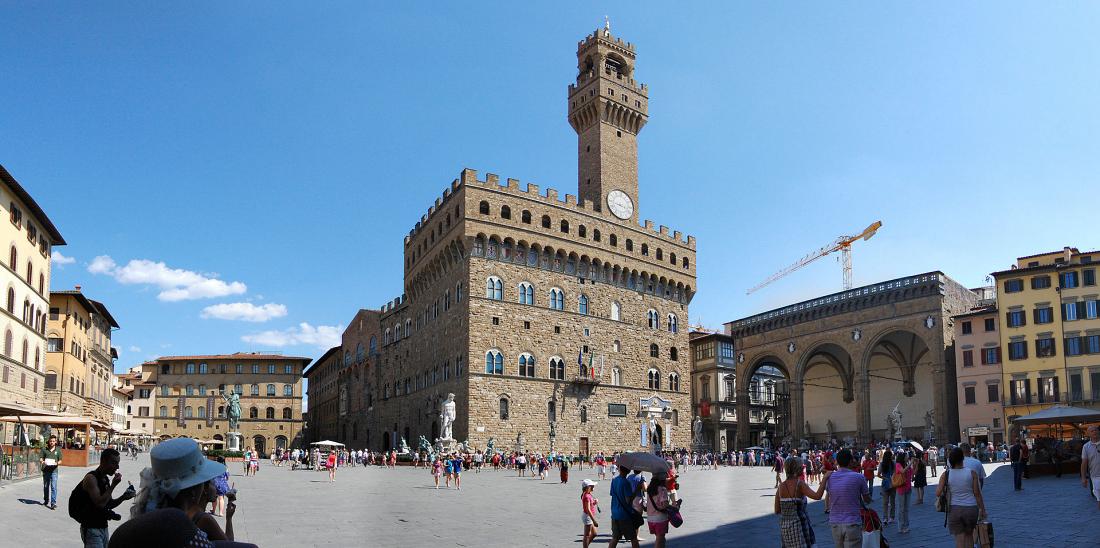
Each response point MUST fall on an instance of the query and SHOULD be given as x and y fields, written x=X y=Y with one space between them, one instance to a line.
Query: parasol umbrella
x=647 y=462
x=328 y=443
x=754 y=448
x=916 y=445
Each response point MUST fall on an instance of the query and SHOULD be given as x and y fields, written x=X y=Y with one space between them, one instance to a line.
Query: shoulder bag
x=898 y=479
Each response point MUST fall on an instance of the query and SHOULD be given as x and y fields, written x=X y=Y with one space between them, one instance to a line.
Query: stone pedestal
x=234 y=441
x=445 y=446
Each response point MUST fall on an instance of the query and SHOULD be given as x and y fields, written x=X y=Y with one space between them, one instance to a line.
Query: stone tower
x=607 y=109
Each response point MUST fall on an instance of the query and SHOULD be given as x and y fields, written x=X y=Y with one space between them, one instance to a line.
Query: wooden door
x=583 y=447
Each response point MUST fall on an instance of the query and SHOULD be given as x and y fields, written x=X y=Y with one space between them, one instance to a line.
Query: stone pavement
x=377 y=507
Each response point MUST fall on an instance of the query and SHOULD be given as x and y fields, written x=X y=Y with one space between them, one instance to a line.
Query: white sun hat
x=588 y=483
x=181 y=462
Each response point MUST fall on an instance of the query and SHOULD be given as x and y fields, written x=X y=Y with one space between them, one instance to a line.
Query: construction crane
x=842 y=244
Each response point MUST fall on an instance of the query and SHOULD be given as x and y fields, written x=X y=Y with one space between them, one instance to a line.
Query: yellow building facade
x=1051 y=331
x=79 y=357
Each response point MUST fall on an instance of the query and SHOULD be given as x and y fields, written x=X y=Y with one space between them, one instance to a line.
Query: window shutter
x=1008 y=319
x=998 y=354
x=1080 y=309
x=984 y=361
x=1035 y=315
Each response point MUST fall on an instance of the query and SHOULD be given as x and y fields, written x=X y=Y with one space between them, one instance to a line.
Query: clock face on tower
x=620 y=204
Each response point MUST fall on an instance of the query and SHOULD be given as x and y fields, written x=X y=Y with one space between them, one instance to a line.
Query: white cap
x=588 y=483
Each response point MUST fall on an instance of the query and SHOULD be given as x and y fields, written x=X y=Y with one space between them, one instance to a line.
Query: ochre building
x=189 y=399
x=544 y=313
x=80 y=358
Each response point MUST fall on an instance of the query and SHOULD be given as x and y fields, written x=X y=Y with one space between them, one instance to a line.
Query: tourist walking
x=437 y=470
x=456 y=469
x=92 y=500
x=903 y=467
x=972 y=463
x=933 y=458
x=623 y=516
x=869 y=466
x=920 y=476
x=588 y=512
x=223 y=488
x=563 y=470
x=964 y=494
x=50 y=459
x=657 y=509
x=1090 y=462
x=247 y=461
x=795 y=530
x=847 y=493
x=889 y=500
x=331 y=466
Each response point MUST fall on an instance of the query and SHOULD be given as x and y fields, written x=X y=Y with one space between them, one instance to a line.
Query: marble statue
x=697 y=431
x=489 y=447
x=895 y=422
x=929 y=425
x=766 y=443
x=447 y=416
x=808 y=430
x=403 y=448
x=830 y=428
x=233 y=410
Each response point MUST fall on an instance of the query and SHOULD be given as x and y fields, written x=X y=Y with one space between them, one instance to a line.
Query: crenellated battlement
x=469 y=177
x=396 y=304
x=605 y=36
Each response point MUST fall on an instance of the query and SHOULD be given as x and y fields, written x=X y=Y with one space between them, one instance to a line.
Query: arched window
x=359 y=353
x=654 y=319
x=26 y=352
x=645 y=250
x=629 y=245
x=396 y=337
x=494 y=289
x=584 y=413
x=189 y=390
x=582 y=231
x=41 y=284
x=164 y=411
x=557 y=369
x=187 y=412
x=582 y=305
x=526 y=365
x=11 y=300
x=483 y=207
x=503 y=409
x=373 y=345
x=526 y=293
x=288 y=389
x=505 y=212
x=673 y=353
x=238 y=389
x=616 y=346
x=674 y=382
x=545 y=221
x=557 y=299
x=616 y=311
x=596 y=234
x=616 y=376
x=494 y=362
x=202 y=412
x=287 y=413
x=14 y=259
x=565 y=226
x=8 y=343
x=685 y=262
x=271 y=390
x=458 y=292
x=660 y=255
x=30 y=273
x=613 y=240
x=525 y=217
x=164 y=390
x=654 y=379
x=269 y=412
x=672 y=325
x=255 y=390
x=654 y=351
x=386 y=337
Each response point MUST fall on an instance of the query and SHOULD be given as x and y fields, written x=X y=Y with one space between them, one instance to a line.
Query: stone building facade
x=322 y=386
x=25 y=275
x=189 y=397
x=541 y=314
x=851 y=357
x=80 y=358
x=357 y=372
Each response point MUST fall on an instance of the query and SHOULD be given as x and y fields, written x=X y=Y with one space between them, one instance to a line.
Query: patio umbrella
x=754 y=448
x=916 y=445
x=328 y=443
x=647 y=462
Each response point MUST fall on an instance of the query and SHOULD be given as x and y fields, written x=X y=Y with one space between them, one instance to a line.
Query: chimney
x=78 y=286
x=1067 y=254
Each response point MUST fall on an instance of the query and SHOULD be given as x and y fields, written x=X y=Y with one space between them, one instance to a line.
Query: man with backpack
x=624 y=520
x=90 y=502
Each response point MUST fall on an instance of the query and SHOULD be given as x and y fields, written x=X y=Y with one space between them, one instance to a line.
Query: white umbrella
x=918 y=446
x=647 y=462
x=328 y=443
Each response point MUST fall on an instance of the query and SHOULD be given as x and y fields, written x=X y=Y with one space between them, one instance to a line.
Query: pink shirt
x=908 y=486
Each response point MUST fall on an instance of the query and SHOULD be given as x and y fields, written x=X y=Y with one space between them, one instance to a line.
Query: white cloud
x=60 y=260
x=321 y=336
x=175 y=284
x=244 y=311
x=134 y=349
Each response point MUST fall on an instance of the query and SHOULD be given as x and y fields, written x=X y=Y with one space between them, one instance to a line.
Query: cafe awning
x=19 y=410
x=1060 y=414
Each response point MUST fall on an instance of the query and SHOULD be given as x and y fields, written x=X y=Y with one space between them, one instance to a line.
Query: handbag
x=872 y=539
x=674 y=517
x=943 y=502
x=985 y=534
x=897 y=479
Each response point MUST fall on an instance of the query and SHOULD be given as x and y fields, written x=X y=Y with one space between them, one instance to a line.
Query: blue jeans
x=94 y=538
x=903 y=513
x=871 y=487
x=49 y=487
x=1017 y=475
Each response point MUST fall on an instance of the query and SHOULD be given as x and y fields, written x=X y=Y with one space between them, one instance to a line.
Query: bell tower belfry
x=608 y=109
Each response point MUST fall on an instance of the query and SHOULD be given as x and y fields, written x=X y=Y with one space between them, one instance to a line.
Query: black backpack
x=80 y=504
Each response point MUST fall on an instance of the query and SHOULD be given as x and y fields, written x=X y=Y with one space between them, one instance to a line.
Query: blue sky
x=272 y=156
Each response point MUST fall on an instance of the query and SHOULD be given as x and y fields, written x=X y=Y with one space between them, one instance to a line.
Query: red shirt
x=869 y=467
